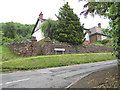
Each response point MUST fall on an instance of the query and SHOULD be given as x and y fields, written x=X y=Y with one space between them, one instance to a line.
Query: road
x=59 y=77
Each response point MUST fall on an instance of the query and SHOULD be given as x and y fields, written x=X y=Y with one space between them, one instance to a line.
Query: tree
x=20 y=29
x=48 y=28
x=12 y=32
x=109 y=10
x=69 y=28
x=9 y=30
x=24 y=29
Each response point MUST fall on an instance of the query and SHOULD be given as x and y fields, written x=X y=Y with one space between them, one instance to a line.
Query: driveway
x=59 y=77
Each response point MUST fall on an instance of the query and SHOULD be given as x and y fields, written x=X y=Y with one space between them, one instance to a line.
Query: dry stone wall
x=33 y=48
x=48 y=48
x=24 y=48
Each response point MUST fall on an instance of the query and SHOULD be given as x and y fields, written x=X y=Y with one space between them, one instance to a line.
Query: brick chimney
x=41 y=15
x=99 y=25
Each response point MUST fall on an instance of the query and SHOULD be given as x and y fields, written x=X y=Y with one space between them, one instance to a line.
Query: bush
x=6 y=40
x=105 y=41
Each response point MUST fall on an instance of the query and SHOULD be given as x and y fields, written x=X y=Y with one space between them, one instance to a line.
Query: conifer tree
x=69 y=28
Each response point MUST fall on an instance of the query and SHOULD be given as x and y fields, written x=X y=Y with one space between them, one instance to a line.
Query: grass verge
x=7 y=54
x=39 y=62
x=110 y=82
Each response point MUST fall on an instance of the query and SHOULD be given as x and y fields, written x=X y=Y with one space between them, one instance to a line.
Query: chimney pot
x=99 y=25
x=41 y=15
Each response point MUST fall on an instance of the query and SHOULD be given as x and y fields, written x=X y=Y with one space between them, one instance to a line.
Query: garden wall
x=33 y=48
x=48 y=48
x=24 y=48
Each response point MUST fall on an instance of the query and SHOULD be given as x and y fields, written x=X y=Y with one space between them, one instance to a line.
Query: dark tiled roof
x=36 y=25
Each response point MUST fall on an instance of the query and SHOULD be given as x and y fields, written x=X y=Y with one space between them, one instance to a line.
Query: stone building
x=96 y=34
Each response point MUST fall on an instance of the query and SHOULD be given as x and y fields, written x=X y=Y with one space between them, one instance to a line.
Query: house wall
x=103 y=37
x=92 y=30
x=96 y=37
x=38 y=32
x=39 y=35
x=87 y=37
x=99 y=37
x=93 y=38
x=99 y=30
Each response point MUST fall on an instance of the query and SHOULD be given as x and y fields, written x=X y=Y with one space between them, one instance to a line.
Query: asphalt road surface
x=59 y=77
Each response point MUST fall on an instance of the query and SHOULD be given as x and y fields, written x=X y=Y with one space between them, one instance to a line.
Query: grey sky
x=27 y=11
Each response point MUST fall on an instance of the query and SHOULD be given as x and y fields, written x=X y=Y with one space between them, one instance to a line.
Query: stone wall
x=48 y=48
x=24 y=48
x=33 y=48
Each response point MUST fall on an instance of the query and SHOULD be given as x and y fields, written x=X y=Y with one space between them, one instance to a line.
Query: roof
x=36 y=25
x=97 y=30
x=98 y=34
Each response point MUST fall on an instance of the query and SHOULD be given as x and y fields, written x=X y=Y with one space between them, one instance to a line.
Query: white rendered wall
x=87 y=37
x=104 y=37
x=38 y=32
x=39 y=35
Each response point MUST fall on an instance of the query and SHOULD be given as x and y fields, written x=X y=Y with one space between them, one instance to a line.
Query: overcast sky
x=27 y=11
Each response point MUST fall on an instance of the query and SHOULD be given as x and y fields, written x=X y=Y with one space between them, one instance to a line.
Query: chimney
x=41 y=15
x=99 y=25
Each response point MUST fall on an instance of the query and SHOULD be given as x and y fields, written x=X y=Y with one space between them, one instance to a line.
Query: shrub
x=6 y=40
x=105 y=41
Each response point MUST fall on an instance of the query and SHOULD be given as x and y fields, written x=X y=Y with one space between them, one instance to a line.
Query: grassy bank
x=111 y=81
x=39 y=62
x=7 y=54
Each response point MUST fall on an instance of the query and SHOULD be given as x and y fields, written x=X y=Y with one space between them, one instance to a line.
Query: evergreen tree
x=69 y=28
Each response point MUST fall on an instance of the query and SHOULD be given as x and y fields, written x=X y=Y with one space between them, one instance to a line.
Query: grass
x=7 y=54
x=47 y=61
x=111 y=81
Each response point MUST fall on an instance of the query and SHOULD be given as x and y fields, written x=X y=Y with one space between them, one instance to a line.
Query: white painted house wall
x=87 y=37
x=38 y=32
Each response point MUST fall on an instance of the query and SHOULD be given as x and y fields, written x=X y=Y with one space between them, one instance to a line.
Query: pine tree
x=69 y=28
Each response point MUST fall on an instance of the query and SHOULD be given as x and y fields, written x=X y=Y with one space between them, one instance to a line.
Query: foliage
x=1 y=37
x=9 y=30
x=6 y=40
x=48 y=28
x=111 y=81
x=16 y=32
x=110 y=10
x=20 y=29
x=105 y=41
x=39 y=62
x=101 y=43
x=69 y=28
x=24 y=29
x=7 y=54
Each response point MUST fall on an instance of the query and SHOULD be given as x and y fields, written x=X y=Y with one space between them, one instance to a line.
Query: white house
x=94 y=34
x=37 y=32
